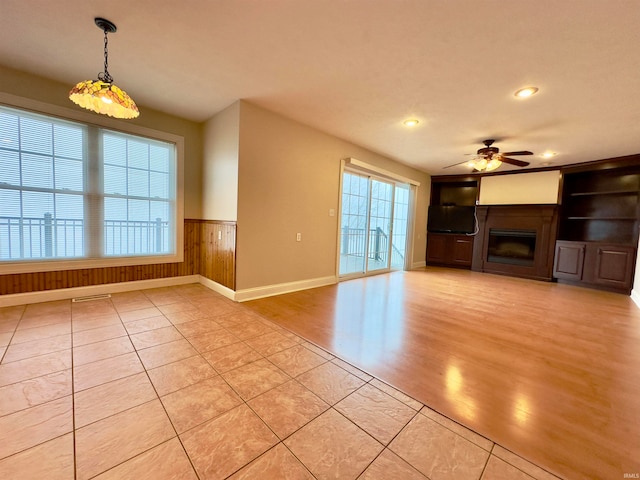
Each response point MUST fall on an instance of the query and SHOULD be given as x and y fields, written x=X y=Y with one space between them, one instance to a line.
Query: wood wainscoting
x=205 y=253
x=218 y=252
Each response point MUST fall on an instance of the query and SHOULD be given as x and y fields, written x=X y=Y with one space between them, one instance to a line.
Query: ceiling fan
x=489 y=158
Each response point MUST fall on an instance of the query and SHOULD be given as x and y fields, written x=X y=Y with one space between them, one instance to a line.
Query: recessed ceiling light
x=549 y=154
x=412 y=122
x=526 y=92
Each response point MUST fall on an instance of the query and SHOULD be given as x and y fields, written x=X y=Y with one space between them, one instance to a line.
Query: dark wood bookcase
x=599 y=220
x=450 y=249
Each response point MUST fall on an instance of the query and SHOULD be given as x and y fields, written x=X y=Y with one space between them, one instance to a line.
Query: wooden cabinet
x=604 y=265
x=462 y=250
x=610 y=265
x=569 y=260
x=599 y=223
x=452 y=249
x=437 y=248
x=449 y=250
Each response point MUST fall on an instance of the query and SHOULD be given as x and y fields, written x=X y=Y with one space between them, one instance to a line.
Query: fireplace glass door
x=512 y=246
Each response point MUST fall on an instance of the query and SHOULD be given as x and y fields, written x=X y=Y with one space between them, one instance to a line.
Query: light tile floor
x=181 y=383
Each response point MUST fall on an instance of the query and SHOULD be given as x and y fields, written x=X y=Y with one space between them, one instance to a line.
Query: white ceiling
x=357 y=68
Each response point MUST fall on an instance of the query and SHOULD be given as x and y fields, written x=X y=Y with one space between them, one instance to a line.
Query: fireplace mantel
x=541 y=219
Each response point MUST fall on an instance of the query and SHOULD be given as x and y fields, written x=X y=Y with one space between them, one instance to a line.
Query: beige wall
x=289 y=178
x=275 y=176
x=220 y=167
x=54 y=93
x=520 y=188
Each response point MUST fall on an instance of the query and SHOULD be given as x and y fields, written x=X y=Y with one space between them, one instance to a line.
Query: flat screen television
x=451 y=219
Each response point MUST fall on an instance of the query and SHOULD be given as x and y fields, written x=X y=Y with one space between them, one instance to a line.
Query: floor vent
x=89 y=298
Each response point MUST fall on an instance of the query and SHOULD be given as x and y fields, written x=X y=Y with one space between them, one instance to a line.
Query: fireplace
x=512 y=246
x=516 y=240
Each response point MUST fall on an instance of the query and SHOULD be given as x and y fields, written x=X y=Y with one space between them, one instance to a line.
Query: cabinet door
x=613 y=265
x=437 y=248
x=462 y=250
x=569 y=260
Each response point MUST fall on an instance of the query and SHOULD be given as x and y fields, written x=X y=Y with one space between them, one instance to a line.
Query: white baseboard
x=11 y=300
x=635 y=296
x=416 y=265
x=278 y=289
x=216 y=287
x=66 y=293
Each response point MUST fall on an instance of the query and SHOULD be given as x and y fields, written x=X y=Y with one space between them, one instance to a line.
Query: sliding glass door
x=354 y=223
x=400 y=226
x=372 y=210
x=380 y=209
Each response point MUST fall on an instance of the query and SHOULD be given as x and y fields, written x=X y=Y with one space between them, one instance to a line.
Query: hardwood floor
x=549 y=371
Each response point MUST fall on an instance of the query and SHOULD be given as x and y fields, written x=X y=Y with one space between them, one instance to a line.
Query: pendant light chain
x=104 y=76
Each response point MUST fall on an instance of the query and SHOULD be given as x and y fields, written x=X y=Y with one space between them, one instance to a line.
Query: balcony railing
x=354 y=244
x=136 y=237
x=48 y=237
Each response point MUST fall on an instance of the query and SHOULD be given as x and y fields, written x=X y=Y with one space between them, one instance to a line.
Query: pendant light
x=102 y=95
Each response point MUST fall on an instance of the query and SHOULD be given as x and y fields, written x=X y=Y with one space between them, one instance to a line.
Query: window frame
x=95 y=120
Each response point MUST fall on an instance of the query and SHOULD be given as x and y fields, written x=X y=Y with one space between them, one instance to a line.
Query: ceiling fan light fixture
x=493 y=164
x=526 y=92
x=549 y=154
x=411 y=122
x=490 y=158
x=484 y=165
x=477 y=164
x=102 y=95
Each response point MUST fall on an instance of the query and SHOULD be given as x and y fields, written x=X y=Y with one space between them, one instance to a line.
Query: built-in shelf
x=613 y=192
x=595 y=227
x=633 y=219
x=598 y=230
x=601 y=205
x=451 y=249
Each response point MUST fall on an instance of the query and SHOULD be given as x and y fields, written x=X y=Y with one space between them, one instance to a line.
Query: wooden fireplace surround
x=543 y=219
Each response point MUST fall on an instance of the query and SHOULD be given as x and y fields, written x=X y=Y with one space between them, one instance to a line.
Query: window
x=73 y=191
x=138 y=195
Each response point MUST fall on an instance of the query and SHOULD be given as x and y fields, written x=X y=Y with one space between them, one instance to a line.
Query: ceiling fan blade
x=455 y=164
x=522 y=152
x=513 y=161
